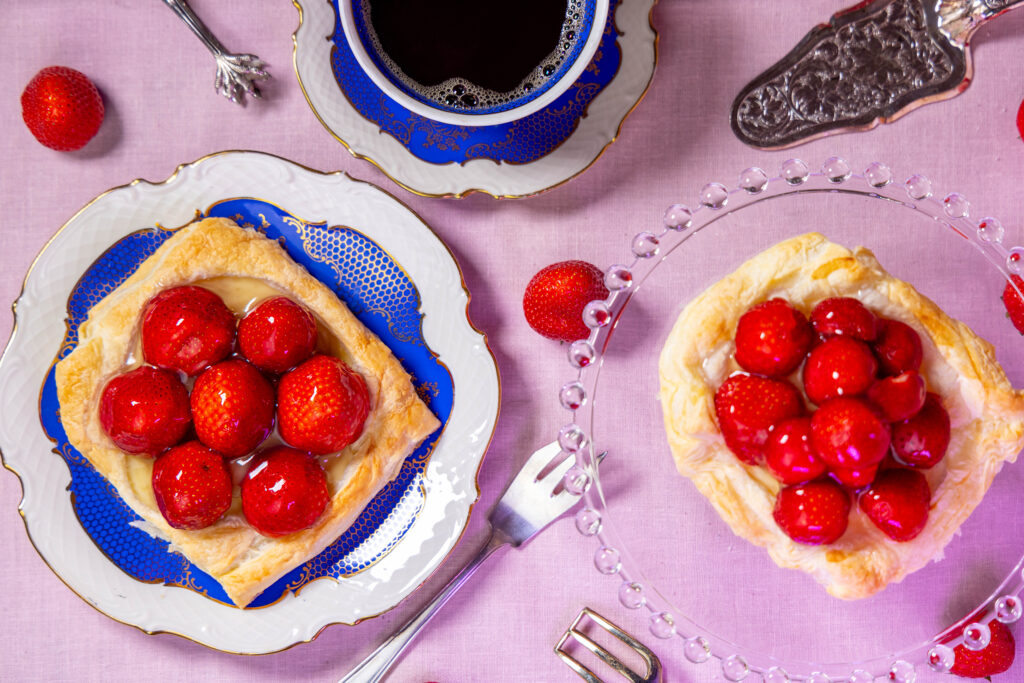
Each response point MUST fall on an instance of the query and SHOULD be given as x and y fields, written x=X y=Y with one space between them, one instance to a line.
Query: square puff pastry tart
x=231 y=551
x=986 y=413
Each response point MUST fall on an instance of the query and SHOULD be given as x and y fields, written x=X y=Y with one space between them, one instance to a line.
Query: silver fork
x=236 y=73
x=534 y=499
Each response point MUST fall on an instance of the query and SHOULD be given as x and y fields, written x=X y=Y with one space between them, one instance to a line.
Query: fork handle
x=186 y=14
x=373 y=668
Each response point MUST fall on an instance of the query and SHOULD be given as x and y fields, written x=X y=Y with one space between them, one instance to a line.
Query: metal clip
x=654 y=671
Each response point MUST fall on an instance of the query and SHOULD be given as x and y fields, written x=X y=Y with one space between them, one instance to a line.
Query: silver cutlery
x=534 y=499
x=870 y=64
x=575 y=634
x=236 y=73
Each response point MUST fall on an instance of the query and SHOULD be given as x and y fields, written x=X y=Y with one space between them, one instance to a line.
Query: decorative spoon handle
x=236 y=73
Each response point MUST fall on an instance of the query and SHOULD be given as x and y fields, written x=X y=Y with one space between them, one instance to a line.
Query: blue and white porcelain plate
x=516 y=159
x=396 y=276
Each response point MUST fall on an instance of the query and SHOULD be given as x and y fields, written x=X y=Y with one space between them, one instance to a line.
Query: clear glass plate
x=713 y=596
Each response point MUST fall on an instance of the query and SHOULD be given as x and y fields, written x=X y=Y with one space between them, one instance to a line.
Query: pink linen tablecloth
x=162 y=111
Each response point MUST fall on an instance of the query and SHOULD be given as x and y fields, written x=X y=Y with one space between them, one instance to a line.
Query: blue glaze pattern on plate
x=364 y=31
x=384 y=299
x=516 y=142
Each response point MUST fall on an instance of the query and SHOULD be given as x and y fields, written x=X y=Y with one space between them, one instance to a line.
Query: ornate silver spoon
x=236 y=73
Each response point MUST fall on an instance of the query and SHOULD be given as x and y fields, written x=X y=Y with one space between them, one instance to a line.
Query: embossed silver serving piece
x=236 y=73
x=870 y=64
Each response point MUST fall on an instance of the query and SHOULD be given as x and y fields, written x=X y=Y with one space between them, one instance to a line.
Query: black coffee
x=473 y=53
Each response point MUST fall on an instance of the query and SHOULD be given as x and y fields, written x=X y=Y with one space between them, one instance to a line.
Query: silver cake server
x=870 y=64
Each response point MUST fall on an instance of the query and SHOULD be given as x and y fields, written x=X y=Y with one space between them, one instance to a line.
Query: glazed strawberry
x=839 y=366
x=145 y=411
x=284 y=491
x=844 y=316
x=922 y=440
x=898 y=397
x=192 y=486
x=847 y=432
x=187 y=329
x=322 y=405
x=815 y=513
x=854 y=478
x=788 y=453
x=748 y=406
x=277 y=335
x=897 y=503
x=62 y=108
x=995 y=658
x=232 y=407
x=898 y=347
x=554 y=299
x=1013 y=301
x=772 y=338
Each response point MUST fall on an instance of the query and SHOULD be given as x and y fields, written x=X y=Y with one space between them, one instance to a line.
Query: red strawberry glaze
x=284 y=491
x=854 y=478
x=898 y=347
x=815 y=513
x=748 y=406
x=277 y=335
x=844 y=316
x=839 y=366
x=922 y=440
x=232 y=407
x=145 y=411
x=898 y=397
x=322 y=405
x=897 y=503
x=1012 y=299
x=187 y=329
x=789 y=455
x=772 y=338
x=847 y=432
x=192 y=486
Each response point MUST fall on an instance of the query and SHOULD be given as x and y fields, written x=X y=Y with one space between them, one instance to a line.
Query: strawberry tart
x=237 y=405
x=835 y=416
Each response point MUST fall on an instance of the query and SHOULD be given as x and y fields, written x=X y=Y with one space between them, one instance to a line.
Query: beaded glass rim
x=681 y=222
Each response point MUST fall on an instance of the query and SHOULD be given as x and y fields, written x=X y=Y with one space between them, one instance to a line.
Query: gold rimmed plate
x=518 y=159
x=416 y=529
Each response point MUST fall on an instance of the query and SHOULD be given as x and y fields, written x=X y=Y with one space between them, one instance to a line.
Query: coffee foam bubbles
x=461 y=95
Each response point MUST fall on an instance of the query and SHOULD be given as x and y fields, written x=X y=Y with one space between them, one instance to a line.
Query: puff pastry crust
x=232 y=552
x=986 y=413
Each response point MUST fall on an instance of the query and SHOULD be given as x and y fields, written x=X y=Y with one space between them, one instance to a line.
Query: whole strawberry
x=187 y=329
x=145 y=411
x=284 y=491
x=277 y=335
x=995 y=658
x=1013 y=301
x=897 y=502
x=814 y=513
x=322 y=405
x=554 y=299
x=772 y=338
x=232 y=407
x=62 y=108
x=748 y=407
x=192 y=486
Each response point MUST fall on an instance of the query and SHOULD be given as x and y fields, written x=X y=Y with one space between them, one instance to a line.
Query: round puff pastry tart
x=986 y=412
x=243 y=267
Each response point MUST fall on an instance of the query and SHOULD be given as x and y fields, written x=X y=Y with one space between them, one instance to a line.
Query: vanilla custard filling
x=241 y=295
